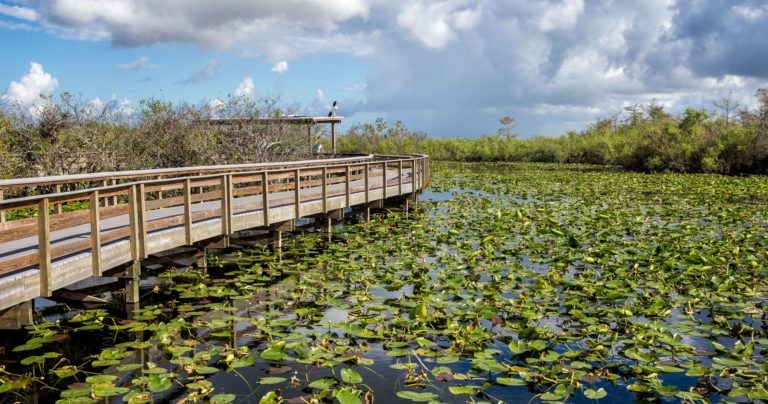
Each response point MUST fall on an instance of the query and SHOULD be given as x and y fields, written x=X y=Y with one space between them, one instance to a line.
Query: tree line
x=646 y=138
x=69 y=136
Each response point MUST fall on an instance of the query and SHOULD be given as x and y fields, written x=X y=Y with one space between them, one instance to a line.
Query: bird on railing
x=333 y=109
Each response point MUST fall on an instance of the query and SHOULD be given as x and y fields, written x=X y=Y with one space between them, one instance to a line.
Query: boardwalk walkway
x=95 y=228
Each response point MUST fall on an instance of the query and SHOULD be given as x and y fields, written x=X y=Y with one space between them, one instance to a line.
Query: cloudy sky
x=449 y=68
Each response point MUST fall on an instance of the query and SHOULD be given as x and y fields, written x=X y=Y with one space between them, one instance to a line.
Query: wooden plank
x=265 y=196
x=297 y=192
x=44 y=247
x=2 y=212
x=400 y=177
x=188 y=211
x=95 y=234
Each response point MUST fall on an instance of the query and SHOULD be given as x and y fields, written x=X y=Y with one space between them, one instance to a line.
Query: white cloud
x=434 y=24
x=320 y=95
x=280 y=67
x=751 y=14
x=562 y=16
x=205 y=73
x=356 y=87
x=260 y=27
x=141 y=63
x=30 y=91
x=21 y=13
x=573 y=59
x=246 y=88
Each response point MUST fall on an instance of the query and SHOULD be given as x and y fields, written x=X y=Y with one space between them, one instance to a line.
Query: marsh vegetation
x=510 y=282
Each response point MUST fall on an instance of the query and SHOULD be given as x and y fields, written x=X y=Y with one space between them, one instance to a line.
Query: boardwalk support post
x=17 y=316
x=277 y=229
x=131 y=281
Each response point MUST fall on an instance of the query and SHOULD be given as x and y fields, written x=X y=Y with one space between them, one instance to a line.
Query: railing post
x=114 y=198
x=188 y=211
x=265 y=196
x=325 y=190
x=133 y=222
x=297 y=191
x=141 y=209
x=413 y=176
x=105 y=183
x=44 y=246
x=367 y=187
x=348 y=188
x=2 y=212
x=400 y=178
x=95 y=235
x=57 y=206
x=226 y=204
x=384 y=180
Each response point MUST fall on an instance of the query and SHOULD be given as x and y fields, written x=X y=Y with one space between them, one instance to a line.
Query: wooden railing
x=67 y=236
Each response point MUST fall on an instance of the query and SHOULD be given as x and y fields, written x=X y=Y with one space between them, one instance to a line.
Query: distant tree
x=729 y=106
x=507 y=127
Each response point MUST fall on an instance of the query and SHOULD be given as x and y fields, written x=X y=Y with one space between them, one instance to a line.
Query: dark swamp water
x=509 y=283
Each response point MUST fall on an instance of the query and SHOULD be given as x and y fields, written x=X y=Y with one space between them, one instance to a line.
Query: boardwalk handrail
x=95 y=177
x=147 y=216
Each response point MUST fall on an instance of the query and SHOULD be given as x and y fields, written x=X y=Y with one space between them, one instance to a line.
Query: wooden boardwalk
x=93 y=228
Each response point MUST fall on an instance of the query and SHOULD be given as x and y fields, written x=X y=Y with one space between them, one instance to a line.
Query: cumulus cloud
x=22 y=13
x=205 y=73
x=246 y=88
x=280 y=67
x=140 y=63
x=255 y=26
x=552 y=64
x=29 y=93
x=562 y=16
x=435 y=23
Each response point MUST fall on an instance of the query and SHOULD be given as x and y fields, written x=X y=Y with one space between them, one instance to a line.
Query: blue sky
x=448 y=67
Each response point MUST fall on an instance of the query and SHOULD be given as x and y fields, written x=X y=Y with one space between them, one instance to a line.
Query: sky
x=450 y=68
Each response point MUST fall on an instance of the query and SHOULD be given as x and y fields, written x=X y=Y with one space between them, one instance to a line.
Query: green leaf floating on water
x=595 y=394
x=323 y=384
x=351 y=376
x=272 y=380
x=464 y=390
x=159 y=383
x=223 y=398
x=348 y=396
x=419 y=397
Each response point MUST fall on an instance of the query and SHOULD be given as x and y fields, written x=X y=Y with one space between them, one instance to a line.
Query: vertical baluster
x=188 y=211
x=348 y=188
x=297 y=191
x=325 y=190
x=44 y=246
x=226 y=204
x=95 y=234
x=367 y=187
x=384 y=179
x=265 y=196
